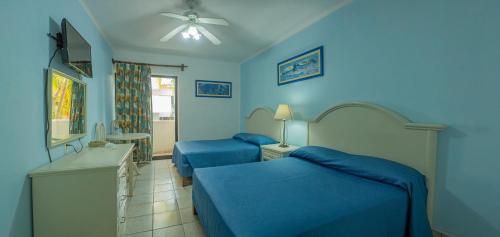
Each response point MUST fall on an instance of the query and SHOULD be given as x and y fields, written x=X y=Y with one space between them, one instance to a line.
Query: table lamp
x=283 y=113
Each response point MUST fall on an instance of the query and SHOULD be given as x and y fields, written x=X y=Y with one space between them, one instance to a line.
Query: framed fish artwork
x=304 y=66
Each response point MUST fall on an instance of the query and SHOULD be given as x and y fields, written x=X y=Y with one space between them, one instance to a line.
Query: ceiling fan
x=192 y=27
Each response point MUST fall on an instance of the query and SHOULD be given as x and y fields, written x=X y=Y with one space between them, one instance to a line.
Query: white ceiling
x=254 y=24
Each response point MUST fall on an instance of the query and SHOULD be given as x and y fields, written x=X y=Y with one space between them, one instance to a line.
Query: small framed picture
x=301 y=67
x=214 y=89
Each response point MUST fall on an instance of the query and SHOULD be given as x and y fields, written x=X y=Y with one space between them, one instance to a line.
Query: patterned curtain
x=133 y=104
x=77 y=113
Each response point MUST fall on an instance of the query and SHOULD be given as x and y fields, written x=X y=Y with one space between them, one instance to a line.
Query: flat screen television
x=76 y=51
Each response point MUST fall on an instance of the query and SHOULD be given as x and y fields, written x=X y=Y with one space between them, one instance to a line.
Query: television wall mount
x=58 y=38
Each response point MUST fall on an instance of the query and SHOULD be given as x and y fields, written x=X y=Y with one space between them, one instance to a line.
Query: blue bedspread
x=383 y=171
x=188 y=155
x=294 y=197
x=318 y=193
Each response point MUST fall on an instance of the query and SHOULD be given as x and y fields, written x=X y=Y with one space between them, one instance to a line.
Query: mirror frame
x=49 y=106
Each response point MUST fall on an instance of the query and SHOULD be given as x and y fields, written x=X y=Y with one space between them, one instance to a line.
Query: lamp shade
x=283 y=112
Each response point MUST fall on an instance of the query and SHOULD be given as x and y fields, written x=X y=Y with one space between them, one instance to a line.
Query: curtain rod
x=182 y=66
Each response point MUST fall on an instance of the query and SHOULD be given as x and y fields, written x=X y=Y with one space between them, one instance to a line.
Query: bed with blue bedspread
x=241 y=148
x=315 y=192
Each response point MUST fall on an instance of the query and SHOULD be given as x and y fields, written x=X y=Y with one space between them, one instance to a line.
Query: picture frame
x=213 y=89
x=301 y=67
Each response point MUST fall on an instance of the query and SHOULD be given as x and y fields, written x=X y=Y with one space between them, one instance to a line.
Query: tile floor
x=160 y=206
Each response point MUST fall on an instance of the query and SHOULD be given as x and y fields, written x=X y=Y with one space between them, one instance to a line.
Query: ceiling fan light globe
x=186 y=35
x=192 y=31
x=197 y=37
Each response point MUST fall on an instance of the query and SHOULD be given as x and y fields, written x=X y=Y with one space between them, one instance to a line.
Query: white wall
x=199 y=118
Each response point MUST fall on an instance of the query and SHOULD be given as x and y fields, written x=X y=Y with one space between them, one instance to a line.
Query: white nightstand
x=273 y=151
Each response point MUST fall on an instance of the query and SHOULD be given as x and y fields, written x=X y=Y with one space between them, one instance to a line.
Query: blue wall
x=432 y=61
x=25 y=51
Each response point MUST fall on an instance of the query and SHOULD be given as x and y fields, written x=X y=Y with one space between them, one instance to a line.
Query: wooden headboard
x=368 y=129
x=261 y=121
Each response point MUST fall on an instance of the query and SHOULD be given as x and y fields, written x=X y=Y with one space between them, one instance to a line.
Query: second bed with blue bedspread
x=242 y=148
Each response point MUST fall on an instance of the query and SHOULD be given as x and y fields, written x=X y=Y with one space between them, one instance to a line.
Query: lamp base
x=283 y=145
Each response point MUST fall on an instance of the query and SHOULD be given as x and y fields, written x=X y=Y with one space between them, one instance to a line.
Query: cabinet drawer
x=121 y=215
x=121 y=225
x=122 y=178
x=122 y=187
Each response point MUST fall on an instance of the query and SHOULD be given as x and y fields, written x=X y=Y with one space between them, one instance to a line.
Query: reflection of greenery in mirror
x=68 y=112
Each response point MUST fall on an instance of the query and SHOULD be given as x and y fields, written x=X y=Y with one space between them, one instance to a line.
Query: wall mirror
x=67 y=98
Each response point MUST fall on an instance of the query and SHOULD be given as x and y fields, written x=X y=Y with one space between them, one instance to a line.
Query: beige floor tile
x=175 y=174
x=141 y=234
x=163 y=181
x=139 y=210
x=178 y=184
x=166 y=219
x=141 y=199
x=164 y=206
x=189 y=188
x=163 y=166
x=164 y=196
x=184 y=203
x=149 y=171
x=164 y=187
x=163 y=176
x=186 y=215
x=146 y=170
x=143 y=189
x=145 y=176
x=144 y=183
x=184 y=192
x=158 y=162
x=177 y=180
x=161 y=207
x=145 y=166
x=161 y=169
x=173 y=231
x=139 y=224
x=194 y=229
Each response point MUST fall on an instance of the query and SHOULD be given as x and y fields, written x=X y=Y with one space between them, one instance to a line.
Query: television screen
x=76 y=50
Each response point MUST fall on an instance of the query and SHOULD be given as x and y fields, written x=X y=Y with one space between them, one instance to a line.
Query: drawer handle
x=123 y=219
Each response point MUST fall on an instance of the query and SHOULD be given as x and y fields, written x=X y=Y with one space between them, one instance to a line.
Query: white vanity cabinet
x=84 y=194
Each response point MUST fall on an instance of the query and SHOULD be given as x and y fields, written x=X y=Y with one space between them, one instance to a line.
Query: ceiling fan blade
x=172 y=33
x=209 y=35
x=173 y=15
x=213 y=21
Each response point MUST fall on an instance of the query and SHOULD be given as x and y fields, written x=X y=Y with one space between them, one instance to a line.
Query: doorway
x=164 y=103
